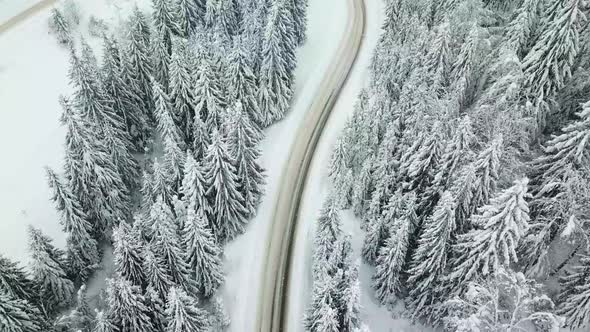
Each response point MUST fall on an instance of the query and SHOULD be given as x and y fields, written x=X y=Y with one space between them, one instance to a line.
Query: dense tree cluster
x=466 y=158
x=184 y=86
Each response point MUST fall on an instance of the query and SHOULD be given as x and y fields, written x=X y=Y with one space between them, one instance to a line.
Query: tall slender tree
x=127 y=309
x=183 y=314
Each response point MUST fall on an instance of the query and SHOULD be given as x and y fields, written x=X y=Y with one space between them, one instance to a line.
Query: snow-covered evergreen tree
x=189 y=13
x=81 y=317
x=18 y=315
x=203 y=252
x=229 y=212
x=161 y=185
x=299 y=12
x=220 y=318
x=181 y=88
x=55 y=290
x=184 y=315
x=60 y=27
x=128 y=254
x=14 y=281
x=328 y=231
x=173 y=163
x=429 y=261
x=82 y=249
x=243 y=137
x=161 y=51
x=321 y=301
x=166 y=22
x=166 y=125
x=209 y=97
x=156 y=304
x=498 y=227
x=102 y=322
x=522 y=27
x=194 y=188
x=127 y=309
x=156 y=272
x=222 y=13
x=380 y=224
x=575 y=294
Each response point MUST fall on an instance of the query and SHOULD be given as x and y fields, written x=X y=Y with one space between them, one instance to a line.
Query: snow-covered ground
x=316 y=188
x=244 y=256
x=10 y=8
x=33 y=73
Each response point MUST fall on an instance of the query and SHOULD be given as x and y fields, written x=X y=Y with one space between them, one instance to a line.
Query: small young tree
x=127 y=309
x=203 y=253
x=222 y=181
x=48 y=272
x=184 y=315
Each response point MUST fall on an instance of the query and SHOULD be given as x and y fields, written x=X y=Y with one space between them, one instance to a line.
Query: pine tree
x=255 y=14
x=165 y=20
x=60 y=27
x=499 y=227
x=351 y=306
x=429 y=261
x=18 y=315
x=243 y=138
x=156 y=273
x=173 y=163
x=184 y=315
x=83 y=254
x=438 y=61
x=47 y=270
x=299 y=12
x=422 y=165
x=549 y=64
x=167 y=244
x=327 y=232
x=128 y=253
x=14 y=281
x=203 y=253
x=156 y=304
x=161 y=51
x=222 y=181
x=278 y=61
x=323 y=290
x=102 y=323
x=380 y=226
x=487 y=167
x=209 y=97
x=242 y=81
x=465 y=67
x=575 y=294
x=194 y=188
x=190 y=13
x=391 y=260
x=161 y=186
x=127 y=309
x=520 y=30
x=181 y=88
x=224 y=14
x=165 y=121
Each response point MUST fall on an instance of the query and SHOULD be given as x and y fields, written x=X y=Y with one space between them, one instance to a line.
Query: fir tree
x=156 y=304
x=380 y=226
x=102 y=323
x=429 y=261
x=127 y=309
x=83 y=254
x=487 y=168
x=327 y=232
x=184 y=315
x=224 y=14
x=299 y=12
x=156 y=273
x=14 y=281
x=128 y=253
x=47 y=267
x=194 y=188
x=161 y=186
x=520 y=30
x=499 y=227
x=174 y=163
x=322 y=300
x=165 y=21
x=189 y=13
x=167 y=245
x=18 y=315
x=181 y=88
x=351 y=306
x=60 y=27
x=161 y=51
x=575 y=294
x=243 y=138
x=422 y=165
x=222 y=181
x=203 y=253
x=241 y=80
x=166 y=126
x=209 y=98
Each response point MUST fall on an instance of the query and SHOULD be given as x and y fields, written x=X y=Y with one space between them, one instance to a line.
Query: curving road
x=272 y=304
x=13 y=21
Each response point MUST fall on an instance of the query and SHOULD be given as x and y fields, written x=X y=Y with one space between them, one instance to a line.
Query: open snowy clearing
x=244 y=256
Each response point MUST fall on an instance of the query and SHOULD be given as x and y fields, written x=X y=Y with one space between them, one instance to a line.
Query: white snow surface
x=10 y=8
x=317 y=186
x=33 y=73
x=244 y=257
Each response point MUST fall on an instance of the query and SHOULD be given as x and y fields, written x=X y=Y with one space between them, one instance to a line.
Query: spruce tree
x=18 y=315
x=161 y=51
x=167 y=128
x=55 y=290
x=165 y=20
x=181 y=88
x=379 y=228
x=422 y=165
x=102 y=323
x=498 y=227
x=127 y=309
x=429 y=261
x=194 y=188
x=487 y=168
x=522 y=27
x=183 y=314
x=128 y=254
x=321 y=300
x=173 y=163
x=81 y=317
x=575 y=294
x=229 y=212
x=83 y=254
x=220 y=319
x=299 y=12
x=328 y=230
x=161 y=186
x=189 y=13
x=203 y=253
x=156 y=273
x=14 y=281
x=224 y=14
x=60 y=27
x=209 y=97
x=243 y=139
x=156 y=304
x=242 y=81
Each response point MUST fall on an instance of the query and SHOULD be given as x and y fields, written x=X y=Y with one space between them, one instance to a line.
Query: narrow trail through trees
x=272 y=302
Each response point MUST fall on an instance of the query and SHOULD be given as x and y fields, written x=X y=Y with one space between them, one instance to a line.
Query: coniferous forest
x=466 y=162
x=161 y=165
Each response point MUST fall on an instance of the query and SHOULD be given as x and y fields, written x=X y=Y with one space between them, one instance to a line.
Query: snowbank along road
x=10 y=23
x=272 y=301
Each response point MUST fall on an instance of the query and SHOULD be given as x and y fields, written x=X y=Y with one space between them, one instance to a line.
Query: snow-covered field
x=244 y=256
x=33 y=73
x=375 y=316
x=10 y=8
